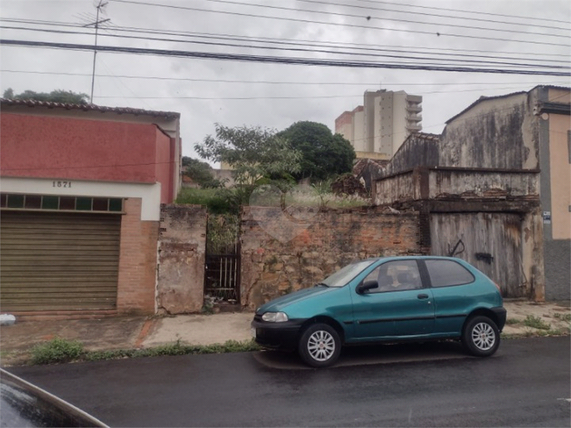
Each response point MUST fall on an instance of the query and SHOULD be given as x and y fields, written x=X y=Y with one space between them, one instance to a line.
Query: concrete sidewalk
x=143 y=332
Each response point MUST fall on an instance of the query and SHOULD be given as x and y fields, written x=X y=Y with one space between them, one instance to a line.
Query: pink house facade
x=81 y=189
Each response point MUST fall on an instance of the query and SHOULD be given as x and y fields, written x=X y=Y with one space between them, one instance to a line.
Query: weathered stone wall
x=286 y=251
x=182 y=244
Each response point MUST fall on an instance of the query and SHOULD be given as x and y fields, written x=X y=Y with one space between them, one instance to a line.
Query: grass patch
x=68 y=351
x=536 y=322
x=57 y=350
x=534 y=333
x=545 y=333
x=563 y=317
x=512 y=321
x=229 y=200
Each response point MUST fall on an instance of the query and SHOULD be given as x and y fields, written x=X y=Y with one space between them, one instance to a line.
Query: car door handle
x=422 y=296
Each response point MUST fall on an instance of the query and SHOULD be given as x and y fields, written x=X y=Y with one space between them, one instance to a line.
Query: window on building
x=60 y=203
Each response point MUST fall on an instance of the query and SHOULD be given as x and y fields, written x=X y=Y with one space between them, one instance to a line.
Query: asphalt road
x=527 y=383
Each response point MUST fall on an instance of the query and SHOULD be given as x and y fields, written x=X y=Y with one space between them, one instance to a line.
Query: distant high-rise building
x=379 y=127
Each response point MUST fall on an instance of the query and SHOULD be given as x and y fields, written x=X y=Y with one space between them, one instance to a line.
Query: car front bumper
x=277 y=335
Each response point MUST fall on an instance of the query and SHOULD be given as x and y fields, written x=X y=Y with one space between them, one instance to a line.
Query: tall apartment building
x=384 y=121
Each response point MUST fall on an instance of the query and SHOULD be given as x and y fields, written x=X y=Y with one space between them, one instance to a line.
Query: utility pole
x=99 y=6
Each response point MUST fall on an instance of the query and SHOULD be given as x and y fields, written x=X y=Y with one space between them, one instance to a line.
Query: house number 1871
x=62 y=184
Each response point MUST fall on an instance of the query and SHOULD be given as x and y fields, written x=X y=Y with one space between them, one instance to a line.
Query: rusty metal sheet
x=58 y=261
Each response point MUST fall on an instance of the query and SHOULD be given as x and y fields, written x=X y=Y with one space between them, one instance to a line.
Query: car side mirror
x=365 y=286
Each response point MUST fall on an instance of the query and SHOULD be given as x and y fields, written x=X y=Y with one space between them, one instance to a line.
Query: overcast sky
x=205 y=91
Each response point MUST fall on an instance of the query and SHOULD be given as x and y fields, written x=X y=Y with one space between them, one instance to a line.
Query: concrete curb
x=127 y=333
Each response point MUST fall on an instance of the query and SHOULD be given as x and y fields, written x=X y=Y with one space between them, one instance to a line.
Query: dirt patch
x=524 y=317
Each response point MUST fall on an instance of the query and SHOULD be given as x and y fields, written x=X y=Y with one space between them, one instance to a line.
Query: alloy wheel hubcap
x=483 y=336
x=321 y=345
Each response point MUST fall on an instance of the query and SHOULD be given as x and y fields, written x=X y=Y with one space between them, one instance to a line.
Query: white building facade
x=379 y=127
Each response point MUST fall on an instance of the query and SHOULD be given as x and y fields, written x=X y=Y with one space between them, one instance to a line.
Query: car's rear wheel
x=481 y=336
x=319 y=345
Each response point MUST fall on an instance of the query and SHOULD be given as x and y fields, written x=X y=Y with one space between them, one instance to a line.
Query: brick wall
x=284 y=252
x=182 y=244
x=137 y=261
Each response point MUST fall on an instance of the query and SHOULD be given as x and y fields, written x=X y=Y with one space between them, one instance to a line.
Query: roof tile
x=88 y=107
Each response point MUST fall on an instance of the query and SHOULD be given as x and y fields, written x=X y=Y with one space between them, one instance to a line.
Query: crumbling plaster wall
x=443 y=182
x=482 y=184
x=398 y=187
x=500 y=132
x=417 y=150
x=182 y=245
x=284 y=252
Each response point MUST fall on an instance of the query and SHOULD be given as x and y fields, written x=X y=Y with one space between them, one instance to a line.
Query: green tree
x=324 y=155
x=200 y=172
x=57 y=96
x=254 y=153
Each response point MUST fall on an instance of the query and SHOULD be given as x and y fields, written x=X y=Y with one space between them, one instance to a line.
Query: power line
x=371 y=17
x=286 y=42
x=278 y=60
x=285 y=97
x=409 y=58
x=272 y=82
x=470 y=18
x=300 y=42
x=464 y=11
x=307 y=21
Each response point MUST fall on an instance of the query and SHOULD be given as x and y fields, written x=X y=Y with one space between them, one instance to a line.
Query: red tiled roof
x=88 y=107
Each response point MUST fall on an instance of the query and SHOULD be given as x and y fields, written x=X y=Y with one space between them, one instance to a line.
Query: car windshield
x=346 y=274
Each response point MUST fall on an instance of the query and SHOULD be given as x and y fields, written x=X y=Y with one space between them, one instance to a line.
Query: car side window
x=395 y=276
x=444 y=273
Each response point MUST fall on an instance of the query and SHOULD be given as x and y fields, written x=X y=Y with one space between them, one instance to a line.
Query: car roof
x=411 y=258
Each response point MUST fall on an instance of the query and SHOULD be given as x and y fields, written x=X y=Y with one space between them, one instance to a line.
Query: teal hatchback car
x=388 y=299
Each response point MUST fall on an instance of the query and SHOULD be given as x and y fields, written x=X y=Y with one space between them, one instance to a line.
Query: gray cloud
x=445 y=94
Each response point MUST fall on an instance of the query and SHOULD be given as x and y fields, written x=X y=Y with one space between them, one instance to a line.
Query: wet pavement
x=525 y=384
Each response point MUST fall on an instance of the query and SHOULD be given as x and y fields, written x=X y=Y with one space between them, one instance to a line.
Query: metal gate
x=222 y=267
x=489 y=241
x=222 y=277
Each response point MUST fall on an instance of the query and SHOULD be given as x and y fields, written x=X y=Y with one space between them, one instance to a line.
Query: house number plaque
x=61 y=184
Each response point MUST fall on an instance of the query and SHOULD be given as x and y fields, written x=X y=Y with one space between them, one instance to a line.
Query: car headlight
x=275 y=317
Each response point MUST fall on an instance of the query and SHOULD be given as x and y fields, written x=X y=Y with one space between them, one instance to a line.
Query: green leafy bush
x=57 y=350
x=217 y=201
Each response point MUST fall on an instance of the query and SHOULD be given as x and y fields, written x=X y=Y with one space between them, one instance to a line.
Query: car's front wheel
x=319 y=345
x=481 y=336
